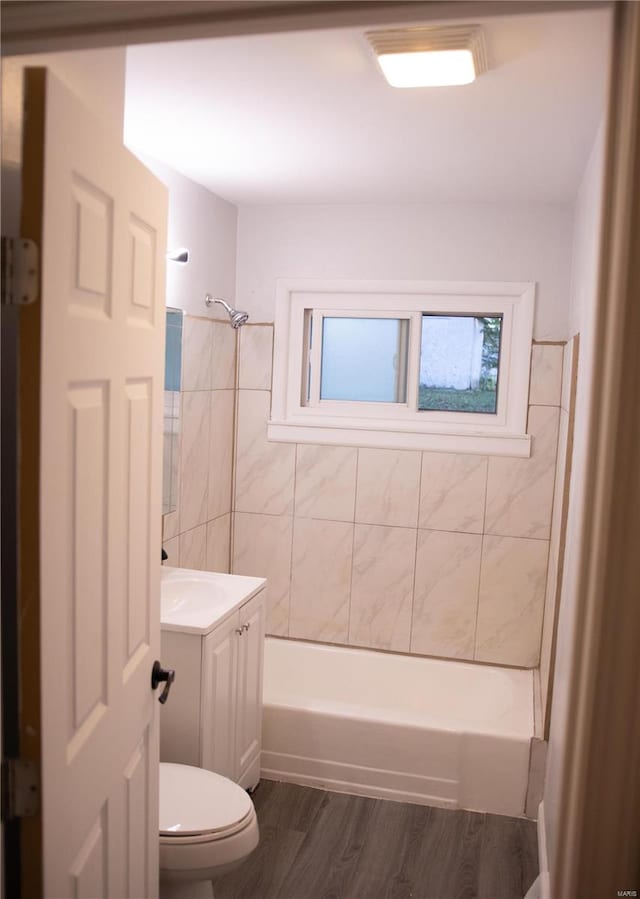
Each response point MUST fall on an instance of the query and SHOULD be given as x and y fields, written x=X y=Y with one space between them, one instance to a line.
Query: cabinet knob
x=245 y=627
x=239 y=631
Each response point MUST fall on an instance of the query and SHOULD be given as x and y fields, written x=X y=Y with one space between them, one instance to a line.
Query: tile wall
x=558 y=526
x=198 y=534
x=429 y=553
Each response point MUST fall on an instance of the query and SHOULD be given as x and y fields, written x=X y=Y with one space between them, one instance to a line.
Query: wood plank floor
x=320 y=845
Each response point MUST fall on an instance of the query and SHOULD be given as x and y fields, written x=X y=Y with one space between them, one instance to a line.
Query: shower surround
x=417 y=552
x=439 y=554
x=198 y=534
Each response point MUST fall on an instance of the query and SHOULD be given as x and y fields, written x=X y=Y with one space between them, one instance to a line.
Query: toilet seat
x=197 y=805
x=207 y=823
x=207 y=836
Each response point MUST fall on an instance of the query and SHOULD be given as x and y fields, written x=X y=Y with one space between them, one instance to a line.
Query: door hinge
x=20 y=271
x=20 y=789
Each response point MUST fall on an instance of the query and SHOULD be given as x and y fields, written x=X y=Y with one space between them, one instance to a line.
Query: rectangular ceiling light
x=430 y=56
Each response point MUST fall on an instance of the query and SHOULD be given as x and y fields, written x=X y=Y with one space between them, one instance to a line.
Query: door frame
x=600 y=800
x=598 y=851
x=42 y=27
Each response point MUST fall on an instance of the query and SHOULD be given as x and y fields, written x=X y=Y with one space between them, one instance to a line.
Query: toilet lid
x=197 y=801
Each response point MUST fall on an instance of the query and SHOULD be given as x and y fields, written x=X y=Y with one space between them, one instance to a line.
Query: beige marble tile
x=446 y=593
x=264 y=470
x=262 y=548
x=559 y=485
x=382 y=587
x=520 y=491
x=546 y=640
x=452 y=492
x=169 y=452
x=325 y=482
x=321 y=579
x=388 y=487
x=194 y=459
x=546 y=375
x=218 y=543
x=193 y=548
x=555 y=553
x=221 y=452
x=570 y=361
x=197 y=335
x=170 y=525
x=223 y=356
x=512 y=587
x=172 y=549
x=256 y=348
x=172 y=424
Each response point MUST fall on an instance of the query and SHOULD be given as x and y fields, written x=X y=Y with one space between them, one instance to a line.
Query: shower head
x=237 y=318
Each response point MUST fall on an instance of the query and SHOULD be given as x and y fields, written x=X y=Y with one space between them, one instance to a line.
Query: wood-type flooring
x=320 y=845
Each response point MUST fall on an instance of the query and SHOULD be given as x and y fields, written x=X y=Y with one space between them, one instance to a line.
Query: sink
x=196 y=601
x=187 y=594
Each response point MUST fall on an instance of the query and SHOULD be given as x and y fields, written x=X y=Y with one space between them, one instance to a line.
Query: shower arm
x=236 y=317
x=210 y=300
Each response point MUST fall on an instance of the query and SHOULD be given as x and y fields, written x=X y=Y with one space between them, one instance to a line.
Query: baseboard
x=543 y=860
x=359 y=780
x=535 y=783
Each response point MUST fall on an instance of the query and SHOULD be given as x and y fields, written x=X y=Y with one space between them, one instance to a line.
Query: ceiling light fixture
x=430 y=56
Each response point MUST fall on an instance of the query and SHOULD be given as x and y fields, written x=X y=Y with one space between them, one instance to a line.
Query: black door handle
x=160 y=675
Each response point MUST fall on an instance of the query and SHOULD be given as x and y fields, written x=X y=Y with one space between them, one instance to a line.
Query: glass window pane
x=364 y=359
x=459 y=363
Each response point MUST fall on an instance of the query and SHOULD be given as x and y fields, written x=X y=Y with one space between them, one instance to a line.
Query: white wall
x=582 y=309
x=206 y=225
x=440 y=241
x=585 y=240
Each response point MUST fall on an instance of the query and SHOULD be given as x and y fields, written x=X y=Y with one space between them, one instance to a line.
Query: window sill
x=395 y=436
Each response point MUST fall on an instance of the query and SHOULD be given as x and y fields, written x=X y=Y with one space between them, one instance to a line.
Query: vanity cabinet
x=213 y=718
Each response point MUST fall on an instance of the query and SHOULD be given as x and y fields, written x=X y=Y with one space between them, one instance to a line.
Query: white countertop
x=195 y=602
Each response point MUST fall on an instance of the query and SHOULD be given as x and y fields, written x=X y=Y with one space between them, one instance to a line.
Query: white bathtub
x=418 y=730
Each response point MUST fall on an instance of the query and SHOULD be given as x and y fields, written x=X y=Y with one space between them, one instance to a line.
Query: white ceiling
x=308 y=118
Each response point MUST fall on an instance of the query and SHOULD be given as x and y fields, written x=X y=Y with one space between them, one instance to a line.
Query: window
x=416 y=365
x=459 y=363
x=361 y=359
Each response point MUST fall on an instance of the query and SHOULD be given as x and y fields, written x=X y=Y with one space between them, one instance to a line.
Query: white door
x=103 y=245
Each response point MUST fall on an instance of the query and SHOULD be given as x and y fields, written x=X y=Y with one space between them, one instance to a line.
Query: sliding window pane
x=459 y=363
x=364 y=359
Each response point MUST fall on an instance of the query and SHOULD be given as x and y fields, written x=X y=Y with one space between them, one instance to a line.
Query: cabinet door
x=249 y=720
x=218 y=709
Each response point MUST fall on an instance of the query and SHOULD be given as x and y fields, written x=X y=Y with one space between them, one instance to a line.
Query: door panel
x=138 y=414
x=218 y=714
x=136 y=780
x=89 y=875
x=250 y=666
x=86 y=562
x=103 y=243
x=92 y=236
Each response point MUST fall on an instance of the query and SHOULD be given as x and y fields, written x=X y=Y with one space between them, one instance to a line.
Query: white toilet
x=208 y=827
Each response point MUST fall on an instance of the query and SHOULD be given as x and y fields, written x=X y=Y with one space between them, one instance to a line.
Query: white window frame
x=401 y=425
